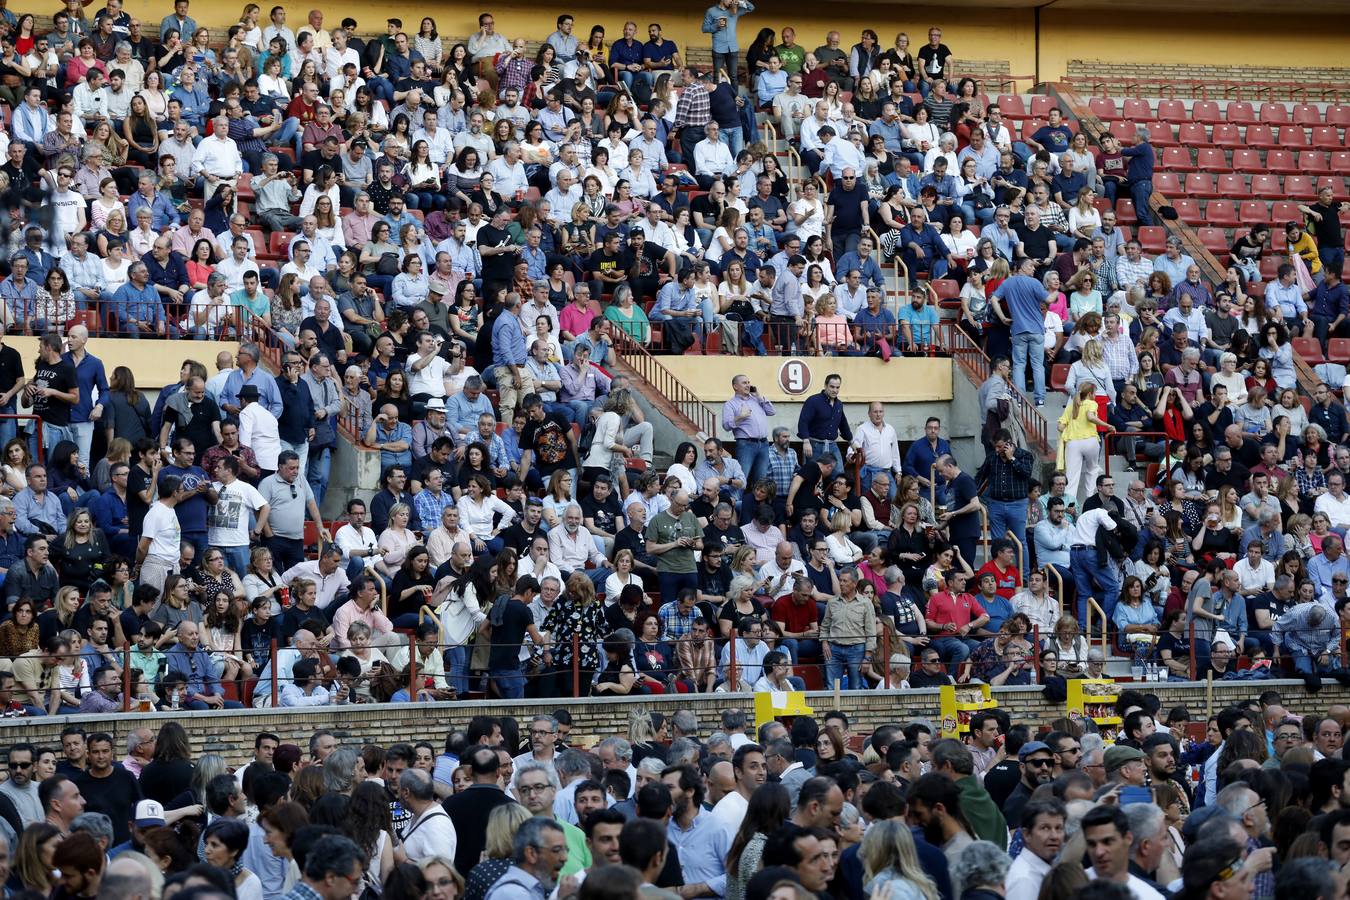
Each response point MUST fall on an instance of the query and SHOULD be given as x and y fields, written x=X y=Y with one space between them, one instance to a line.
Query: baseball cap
x=149 y=813
x=1031 y=747
x=1119 y=755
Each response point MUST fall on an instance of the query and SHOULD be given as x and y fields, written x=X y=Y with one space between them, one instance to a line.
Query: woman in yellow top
x=1302 y=243
x=1079 y=445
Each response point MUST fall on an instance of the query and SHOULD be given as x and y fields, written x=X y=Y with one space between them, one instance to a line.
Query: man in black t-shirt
x=547 y=444
x=518 y=536
x=107 y=787
x=511 y=621
x=722 y=530
x=608 y=266
x=141 y=480
x=933 y=57
x=600 y=511
x=11 y=378
x=1325 y=216
x=53 y=391
x=847 y=212
x=498 y=251
x=647 y=261
x=1036 y=241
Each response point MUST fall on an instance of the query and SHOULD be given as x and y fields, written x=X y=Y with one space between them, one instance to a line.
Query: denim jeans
x=1005 y=516
x=753 y=456
x=456 y=668
x=84 y=439
x=827 y=448
x=844 y=666
x=510 y=683
x=1333 y=258
x=1029 y=347
x=1093 y=580
x=671 y=583
x=316 y=472
x=55 y=434
x=9 y=428
x=236 y=558
x=953 y=650
x=1140 y=191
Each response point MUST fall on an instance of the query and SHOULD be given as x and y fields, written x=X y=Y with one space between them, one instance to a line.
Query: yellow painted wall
x=972 y=32
x=154 y=363
x=901 y=380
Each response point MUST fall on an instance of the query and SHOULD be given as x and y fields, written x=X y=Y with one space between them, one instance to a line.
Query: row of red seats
x=1258 y=136
x=1213 y=112
x=1246 y=159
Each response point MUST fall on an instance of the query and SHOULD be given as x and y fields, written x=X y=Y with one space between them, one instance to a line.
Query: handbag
x=388 y=264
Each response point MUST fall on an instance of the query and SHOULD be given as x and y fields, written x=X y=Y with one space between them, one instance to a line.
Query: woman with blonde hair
x=503 y=822
x=1079 y=442
x=443 y=881
x=889 y=858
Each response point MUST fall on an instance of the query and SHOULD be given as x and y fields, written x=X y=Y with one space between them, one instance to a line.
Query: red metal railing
x=970 y=357
x=664 y=382
x=24 y=417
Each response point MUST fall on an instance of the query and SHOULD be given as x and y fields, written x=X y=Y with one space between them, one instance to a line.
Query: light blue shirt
x=1052 y=544
x=986 y=162
x=672 y=299
x=508 y=341
x=1320 y=570
x=724 y=39
x=703 y=851
x=1175 y=269
x=1288 y=299
x=268 y=395
x=462 y=414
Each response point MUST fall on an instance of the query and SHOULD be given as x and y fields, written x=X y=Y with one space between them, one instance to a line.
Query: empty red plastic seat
x=1274 y=113
x=1214 y=239
x=1326 y=137
x=1226 y=134
x=1012 y=106
x=1260 y=134
x=1173 y=111
x=1313 y=161
x=1239 y=111
x=1042 y=104
x=1161 y=134
x=1310 y=349
x=1153 y=238
x=1254 y=211
x=1104 y=108
x=1166 y=183
x=1125 y=213
x=1137 y=110
x=1306 y=114
x=1266 y=186
x=1338 y=114
x=1188 y=209
x=1193 y=134
x=1211 y=159
x=1299 y=187
x=1282 y=211
x=1201 y=184
x=1233 y=186
x=1222 y=213
x=1338 y=350
x=1059 y=376
x=1176 y=159
x=1206 y=111
x=1125 y=129
x=1294 y=137
x=1247 y=160
x=1340 y=161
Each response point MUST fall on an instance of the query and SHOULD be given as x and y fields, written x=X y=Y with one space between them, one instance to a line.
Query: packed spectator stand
x=441 y=252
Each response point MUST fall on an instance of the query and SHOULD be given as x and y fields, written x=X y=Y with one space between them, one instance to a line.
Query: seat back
x=1206 y=111
x=1239 y=111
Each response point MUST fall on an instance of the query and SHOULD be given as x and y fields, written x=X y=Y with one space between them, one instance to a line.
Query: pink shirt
x=575 y=321
x=349 y=613
x=945 y=609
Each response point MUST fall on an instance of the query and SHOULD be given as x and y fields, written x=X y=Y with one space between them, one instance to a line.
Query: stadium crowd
x=1247 y=805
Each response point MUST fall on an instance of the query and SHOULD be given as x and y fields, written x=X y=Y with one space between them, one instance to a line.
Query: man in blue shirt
x=1330 y=306
x=90 y=376
x=625 y=57
x=136 y=305
x=192 y=95
x=392 y=437
x=1067 y=184
x=923 y=453
x=509 y=357
x=677 y=308
x=720 y=22
x=162 y=210
x=1023 y=294
x=1139 y=174
x=197 y=493
x=822 y=423
x=189 y=659
x=1053 y=136
x=862 y=260
x=873 y=324
x=921 y=246
x=658 y=54
x=919 y=319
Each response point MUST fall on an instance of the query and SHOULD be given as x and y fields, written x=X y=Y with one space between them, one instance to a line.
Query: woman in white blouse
x=325 y=184
x=808 y=213
x=842 y=550
x=396 y=540
x=478 y=508
x=622 y=576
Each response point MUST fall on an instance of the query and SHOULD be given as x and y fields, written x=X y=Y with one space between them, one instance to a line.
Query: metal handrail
x=1092 y=606
x=1051 y=572
x=664 y=382
x=970 y=357
x=1019 y=546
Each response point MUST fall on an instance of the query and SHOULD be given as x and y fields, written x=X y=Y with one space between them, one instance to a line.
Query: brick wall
x=231 y=734
x=1116 y=76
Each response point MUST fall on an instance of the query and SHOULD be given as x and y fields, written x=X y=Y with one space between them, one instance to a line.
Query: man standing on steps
x=1093 y=578
x=720 y=22
x=1139 y=175
x=1006 y=475
x=821 y=423
x=745 y=415
x=1023 y=294
x=962 y=517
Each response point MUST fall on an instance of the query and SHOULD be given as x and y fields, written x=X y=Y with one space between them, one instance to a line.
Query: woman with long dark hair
x=768 y=808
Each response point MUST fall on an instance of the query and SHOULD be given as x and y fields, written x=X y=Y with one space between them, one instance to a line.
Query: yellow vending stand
x=959 y=703
x=770 y=705
x=1095 y=700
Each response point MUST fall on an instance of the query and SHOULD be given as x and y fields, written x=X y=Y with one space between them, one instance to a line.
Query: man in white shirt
x=509 y=172
x=1335 y=503
x=431 y=833
x=217 y=159
x=258 y=429
x=1092 y=578
x=236 y=264
x=161 y=536
x=850 y=295
x=356 y=541
x=841 y=152
x=474 y=137
x=1107 y=832
x=89 y=102
x=440 y=143
x=227 y=521
x=338 y=55
x=564 y=195
x=427 y=371
x=880 y=447
x=304 y=688
x=750 y=653
x=749 y=771
x=712 y=158
x=1255 y=573
x=1043 y=837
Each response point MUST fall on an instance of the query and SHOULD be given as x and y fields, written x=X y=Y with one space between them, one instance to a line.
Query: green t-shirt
x=793 y=57
x=665 y=528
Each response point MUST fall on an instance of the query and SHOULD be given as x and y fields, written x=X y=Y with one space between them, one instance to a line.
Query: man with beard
x=801 y=850
x=935 y=806
x=1037 y=769
x=702 y=840
x=1160 y=759
x=1043 y=837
